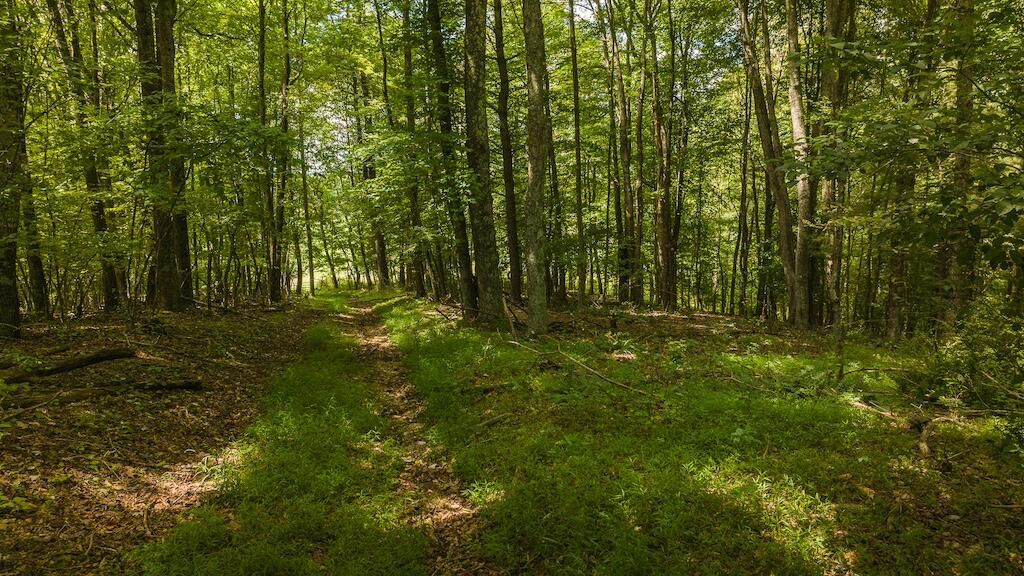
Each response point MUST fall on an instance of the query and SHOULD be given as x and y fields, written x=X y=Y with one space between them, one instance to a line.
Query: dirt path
x=435 y=496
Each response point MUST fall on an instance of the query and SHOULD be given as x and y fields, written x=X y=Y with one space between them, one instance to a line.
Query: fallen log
x=23 y=404
x=67 y=365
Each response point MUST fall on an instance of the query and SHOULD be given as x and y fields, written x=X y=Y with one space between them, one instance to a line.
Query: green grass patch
x=745 y=459
x=313 y=487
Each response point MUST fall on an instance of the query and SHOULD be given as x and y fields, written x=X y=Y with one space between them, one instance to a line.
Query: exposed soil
x=82 y=482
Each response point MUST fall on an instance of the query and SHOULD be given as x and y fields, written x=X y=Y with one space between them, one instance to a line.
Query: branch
x=570 y=358
x=68 y=365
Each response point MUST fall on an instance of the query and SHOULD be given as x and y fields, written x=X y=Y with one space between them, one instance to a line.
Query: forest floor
x=96 y=461
x=368 y=433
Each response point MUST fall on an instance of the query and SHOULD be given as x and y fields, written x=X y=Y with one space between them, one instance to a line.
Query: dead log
x=30 y=402
x=68 y=365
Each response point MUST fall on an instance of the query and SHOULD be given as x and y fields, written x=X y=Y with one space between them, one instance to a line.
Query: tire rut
x=435 y=496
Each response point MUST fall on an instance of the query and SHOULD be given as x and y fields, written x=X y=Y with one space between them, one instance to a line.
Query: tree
x=581 y=238
x=478 y=155
x=12 y=169
x=453 y=198
x=537 y=125
x=507 y=172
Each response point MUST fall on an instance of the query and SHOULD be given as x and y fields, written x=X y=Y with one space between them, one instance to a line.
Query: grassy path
x=337 y=477
x=402 y=443
x=434 y=498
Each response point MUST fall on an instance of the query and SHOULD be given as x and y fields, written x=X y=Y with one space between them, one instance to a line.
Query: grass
x=313 y=486
x=747 y=460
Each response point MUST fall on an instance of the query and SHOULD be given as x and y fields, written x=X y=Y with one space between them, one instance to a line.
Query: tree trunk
x=269 y=212
x=417 y=272
x=636 y=282
x=478 y=156
x=581 y=244
x=664 y=210
x=70 y=50
x=537 y=140
x=305 y=210
x=12 y=170
x=805 y=196
x=626 y=238
x=452 y=196
x=775 y=183
x=508 y=175
x=165 y=278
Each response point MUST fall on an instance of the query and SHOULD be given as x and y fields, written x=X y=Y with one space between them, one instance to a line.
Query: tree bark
x=12 y=170
x=581 y=238
x=69 y=47
x=165 y=277
x=627 y=204
x=805 y=196
x=768 y=131
x=453 y=198
x=664 y=210
x=481 y=210
x=508 y=175
x=419 y=286
x=537 y=141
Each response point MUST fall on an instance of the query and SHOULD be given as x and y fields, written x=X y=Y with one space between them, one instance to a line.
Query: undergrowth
x=744 y=456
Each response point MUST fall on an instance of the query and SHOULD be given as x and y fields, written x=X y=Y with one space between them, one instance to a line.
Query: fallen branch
x=494 y=420
x=879 y=369
x=571 y=358
x=926 y=432
x=27 y=403
x=68 y=365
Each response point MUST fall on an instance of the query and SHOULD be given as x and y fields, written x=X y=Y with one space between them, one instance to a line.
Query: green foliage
x=981 y=364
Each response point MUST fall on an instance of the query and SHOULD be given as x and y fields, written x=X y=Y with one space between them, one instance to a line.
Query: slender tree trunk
x=581 y=237
x=12 y=169
x=269 y=211
x=744 y=227
x=417 y=272
x=453 y=198
x=38 y=289
x=962 y=248
x=636 y=283
x=284 y=158
x=481 y=209
x=664 y=210
x=508 y=175
x=556 y=272
x=627 y=204
x=70 y=50
x=805 y=195
x=305 y=209
x=841 y=23
x=537 y=140
x=775 y=183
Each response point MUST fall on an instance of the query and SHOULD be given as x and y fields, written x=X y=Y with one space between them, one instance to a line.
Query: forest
x=535 y=287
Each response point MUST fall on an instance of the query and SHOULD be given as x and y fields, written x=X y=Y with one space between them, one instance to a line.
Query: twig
x=494 y=420
x=592 y=371
x=16 y=413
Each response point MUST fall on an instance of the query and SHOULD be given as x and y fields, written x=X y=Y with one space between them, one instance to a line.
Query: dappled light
x=495 y=288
